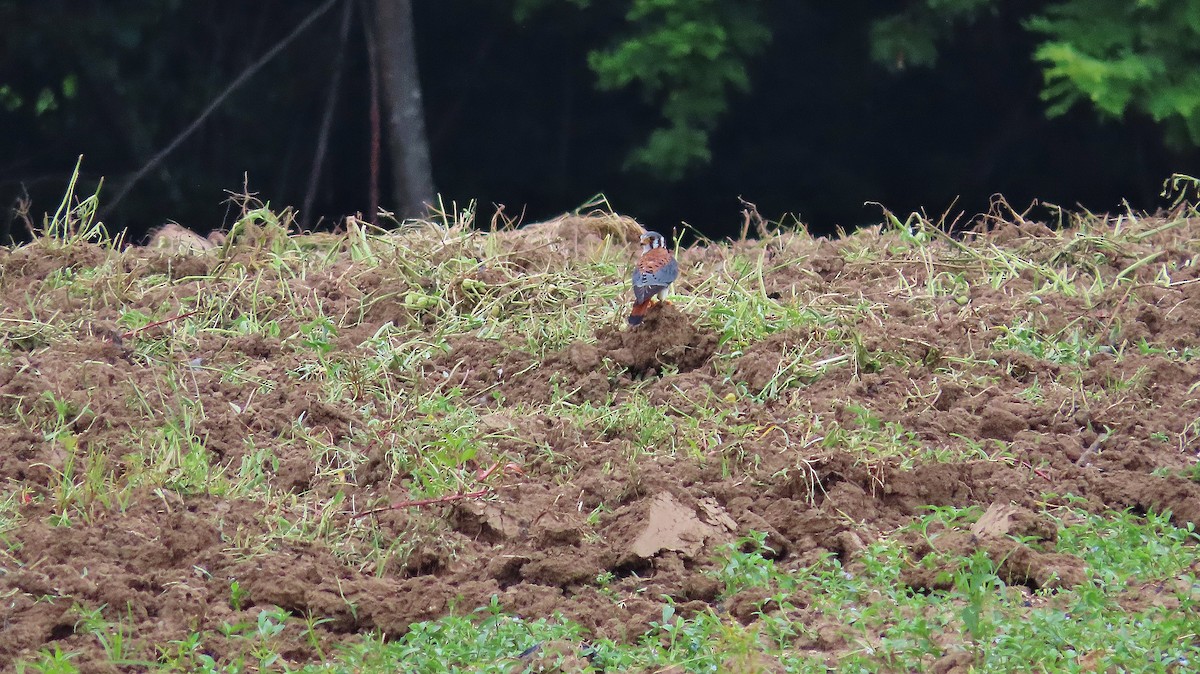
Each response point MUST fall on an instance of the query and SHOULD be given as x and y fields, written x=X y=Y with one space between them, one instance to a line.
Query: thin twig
x=1086 y=457
x=216 y=102
x=155 y=324
x=449 y=498
x=481 y=475
x=750 y=216
x=1036 y=471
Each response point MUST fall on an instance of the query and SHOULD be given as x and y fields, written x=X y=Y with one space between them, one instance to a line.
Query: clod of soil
x=665 y=524
x=666 y=338
x=1017 y=563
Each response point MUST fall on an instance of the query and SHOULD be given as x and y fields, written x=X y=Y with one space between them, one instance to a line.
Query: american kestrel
x=652 y=273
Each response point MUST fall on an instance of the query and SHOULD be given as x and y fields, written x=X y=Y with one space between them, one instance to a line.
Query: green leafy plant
x=1116 y=56
x=685 y=57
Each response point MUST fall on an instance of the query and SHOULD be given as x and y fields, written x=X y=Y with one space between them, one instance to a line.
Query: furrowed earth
x=193 y=432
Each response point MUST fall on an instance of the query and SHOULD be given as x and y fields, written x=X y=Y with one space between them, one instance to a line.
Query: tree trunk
x=412 y=177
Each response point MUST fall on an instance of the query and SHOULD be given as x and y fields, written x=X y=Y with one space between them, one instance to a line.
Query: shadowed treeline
x=514 y=116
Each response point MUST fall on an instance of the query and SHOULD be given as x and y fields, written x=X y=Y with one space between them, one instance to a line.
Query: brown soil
x=165 y=560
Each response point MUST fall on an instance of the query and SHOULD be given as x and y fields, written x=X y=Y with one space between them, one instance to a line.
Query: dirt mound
x=567 y=237
x=1008 y=536
x=666 y=339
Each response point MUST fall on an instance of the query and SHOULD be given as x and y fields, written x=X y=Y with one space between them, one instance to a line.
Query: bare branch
x=216 y=102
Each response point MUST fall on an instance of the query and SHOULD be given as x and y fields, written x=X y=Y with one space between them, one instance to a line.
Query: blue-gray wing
x=647 y=283
x=661 y=277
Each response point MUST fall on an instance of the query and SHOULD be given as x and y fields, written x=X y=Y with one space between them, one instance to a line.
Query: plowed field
x=193 y=435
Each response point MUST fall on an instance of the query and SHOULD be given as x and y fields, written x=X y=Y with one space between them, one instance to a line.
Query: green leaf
x=10 y=99
x=685 y=56
x=70 y=86
x=1116 y=56
x=46 y=101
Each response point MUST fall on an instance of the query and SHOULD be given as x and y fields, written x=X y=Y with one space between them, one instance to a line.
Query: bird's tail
x=639 y=311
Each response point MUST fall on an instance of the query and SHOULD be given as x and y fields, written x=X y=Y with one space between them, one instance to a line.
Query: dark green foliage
x=910 y=38
x=684 y=56
x=1117 y=55
x=1122 y=55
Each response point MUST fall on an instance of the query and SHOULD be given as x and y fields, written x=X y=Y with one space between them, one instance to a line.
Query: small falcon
x=652 y=273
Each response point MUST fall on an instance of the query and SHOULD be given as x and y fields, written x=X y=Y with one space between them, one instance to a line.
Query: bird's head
x=652 y=240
